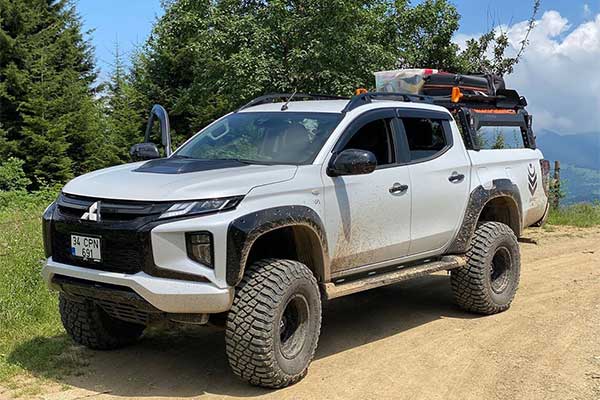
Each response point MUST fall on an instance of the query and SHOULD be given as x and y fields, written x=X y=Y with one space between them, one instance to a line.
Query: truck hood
x=173 y=179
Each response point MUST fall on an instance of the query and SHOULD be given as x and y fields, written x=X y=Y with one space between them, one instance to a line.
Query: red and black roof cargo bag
x=441 y=84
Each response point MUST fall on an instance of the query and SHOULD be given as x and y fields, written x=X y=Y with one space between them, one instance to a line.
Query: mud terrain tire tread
x=471 y=284
x=89 y=325
x=254 y=318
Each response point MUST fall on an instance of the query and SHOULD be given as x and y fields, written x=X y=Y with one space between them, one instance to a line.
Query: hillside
x=579 y=155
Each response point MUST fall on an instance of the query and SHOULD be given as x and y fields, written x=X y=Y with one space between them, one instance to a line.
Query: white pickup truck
x=289 y=202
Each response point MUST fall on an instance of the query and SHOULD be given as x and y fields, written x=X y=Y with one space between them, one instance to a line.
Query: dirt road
x=404 y=342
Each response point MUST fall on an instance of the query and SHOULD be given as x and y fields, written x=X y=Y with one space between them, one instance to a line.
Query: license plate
x=86 y=247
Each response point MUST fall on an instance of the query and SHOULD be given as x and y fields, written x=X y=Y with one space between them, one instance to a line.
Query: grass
x=32 y=341
x=582 y=215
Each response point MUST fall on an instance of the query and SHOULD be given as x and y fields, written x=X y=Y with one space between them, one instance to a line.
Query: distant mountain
x=579 y=156
x=581 y=149
x=581 y=185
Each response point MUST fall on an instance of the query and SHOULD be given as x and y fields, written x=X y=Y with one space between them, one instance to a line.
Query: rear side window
x=425 y=136
x=499 y=137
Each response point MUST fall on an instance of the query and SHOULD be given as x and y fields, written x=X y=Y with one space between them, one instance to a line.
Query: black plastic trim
x=420 y=113
x=176 y=165
x=47 y=229
x=477 y=201
x=245 y=230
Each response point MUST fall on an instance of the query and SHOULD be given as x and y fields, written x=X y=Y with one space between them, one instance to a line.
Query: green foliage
x=423 y=34
x=12 y=176
x=48 y=114
x=581 y=215
x=122 y=122
x=204 y=58
x=556 y=192
x=499 y=142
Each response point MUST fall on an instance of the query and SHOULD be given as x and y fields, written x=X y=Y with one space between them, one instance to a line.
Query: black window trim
x=365 y=118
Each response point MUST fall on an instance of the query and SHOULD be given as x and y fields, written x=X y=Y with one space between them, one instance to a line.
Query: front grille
x=123 y=229
x=121 y=250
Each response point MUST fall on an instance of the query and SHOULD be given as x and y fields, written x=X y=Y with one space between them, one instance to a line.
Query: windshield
x=263 y=137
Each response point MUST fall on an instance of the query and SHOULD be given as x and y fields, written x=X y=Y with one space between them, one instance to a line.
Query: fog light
x=200 y=247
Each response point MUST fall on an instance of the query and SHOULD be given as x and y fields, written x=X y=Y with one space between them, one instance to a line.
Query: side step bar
x=333 y=290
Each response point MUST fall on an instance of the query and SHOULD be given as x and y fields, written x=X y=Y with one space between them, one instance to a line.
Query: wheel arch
x=295 y=232
x=500 y=203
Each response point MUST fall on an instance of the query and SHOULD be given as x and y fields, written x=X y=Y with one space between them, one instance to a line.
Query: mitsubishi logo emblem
x=93 y=213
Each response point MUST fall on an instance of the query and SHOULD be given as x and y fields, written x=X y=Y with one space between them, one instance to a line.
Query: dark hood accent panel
x=175 y=165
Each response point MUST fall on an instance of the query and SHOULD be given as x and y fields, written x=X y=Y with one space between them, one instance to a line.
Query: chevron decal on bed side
x=532 y=178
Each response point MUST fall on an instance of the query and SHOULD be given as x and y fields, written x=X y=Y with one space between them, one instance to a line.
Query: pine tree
x=48 y=112
x=124 y=124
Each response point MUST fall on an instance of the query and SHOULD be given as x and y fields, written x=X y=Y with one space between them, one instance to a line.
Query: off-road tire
x=89 y=325
x=259 y=347
x=489 y=281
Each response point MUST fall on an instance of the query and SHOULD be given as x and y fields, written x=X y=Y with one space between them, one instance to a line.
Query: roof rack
x=368 y=97
x=504 y=99
x=269 y=98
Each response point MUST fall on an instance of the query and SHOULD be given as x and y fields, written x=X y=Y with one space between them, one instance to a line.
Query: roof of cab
x=336 y=106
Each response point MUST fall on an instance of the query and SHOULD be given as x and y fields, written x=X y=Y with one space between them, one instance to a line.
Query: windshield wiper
x=247 y=161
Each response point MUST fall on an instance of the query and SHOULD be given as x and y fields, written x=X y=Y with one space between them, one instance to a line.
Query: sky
x=559 y=73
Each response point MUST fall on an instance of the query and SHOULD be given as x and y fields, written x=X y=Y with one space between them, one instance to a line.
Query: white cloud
x=559 y=72
x=586 y=10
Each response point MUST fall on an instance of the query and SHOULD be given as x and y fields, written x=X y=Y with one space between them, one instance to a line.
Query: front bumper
x=167 y=295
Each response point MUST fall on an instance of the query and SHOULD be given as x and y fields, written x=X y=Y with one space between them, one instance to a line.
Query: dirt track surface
x=406 y=341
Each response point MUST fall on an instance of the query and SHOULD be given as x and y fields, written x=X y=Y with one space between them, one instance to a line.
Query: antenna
x=285 y=105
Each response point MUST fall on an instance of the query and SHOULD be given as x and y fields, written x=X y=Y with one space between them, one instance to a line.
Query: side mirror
x=352 y=162
x=144 y=151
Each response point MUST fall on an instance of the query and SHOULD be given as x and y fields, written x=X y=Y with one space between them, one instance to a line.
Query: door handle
x=456 y=178
x=398 y=188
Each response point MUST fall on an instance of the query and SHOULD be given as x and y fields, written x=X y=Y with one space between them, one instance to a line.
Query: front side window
x=425 y=136
x=263 y=137
x=374 y=136
x=499 y=137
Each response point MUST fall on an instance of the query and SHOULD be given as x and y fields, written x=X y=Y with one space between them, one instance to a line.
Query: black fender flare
x=245 y=230
x=478 y=199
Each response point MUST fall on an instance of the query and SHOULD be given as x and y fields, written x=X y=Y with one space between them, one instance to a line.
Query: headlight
x=201 y=207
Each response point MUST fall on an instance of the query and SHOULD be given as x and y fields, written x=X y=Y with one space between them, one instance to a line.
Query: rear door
x=439 y=173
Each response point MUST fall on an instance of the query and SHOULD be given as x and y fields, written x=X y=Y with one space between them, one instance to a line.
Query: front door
x=369 y=215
